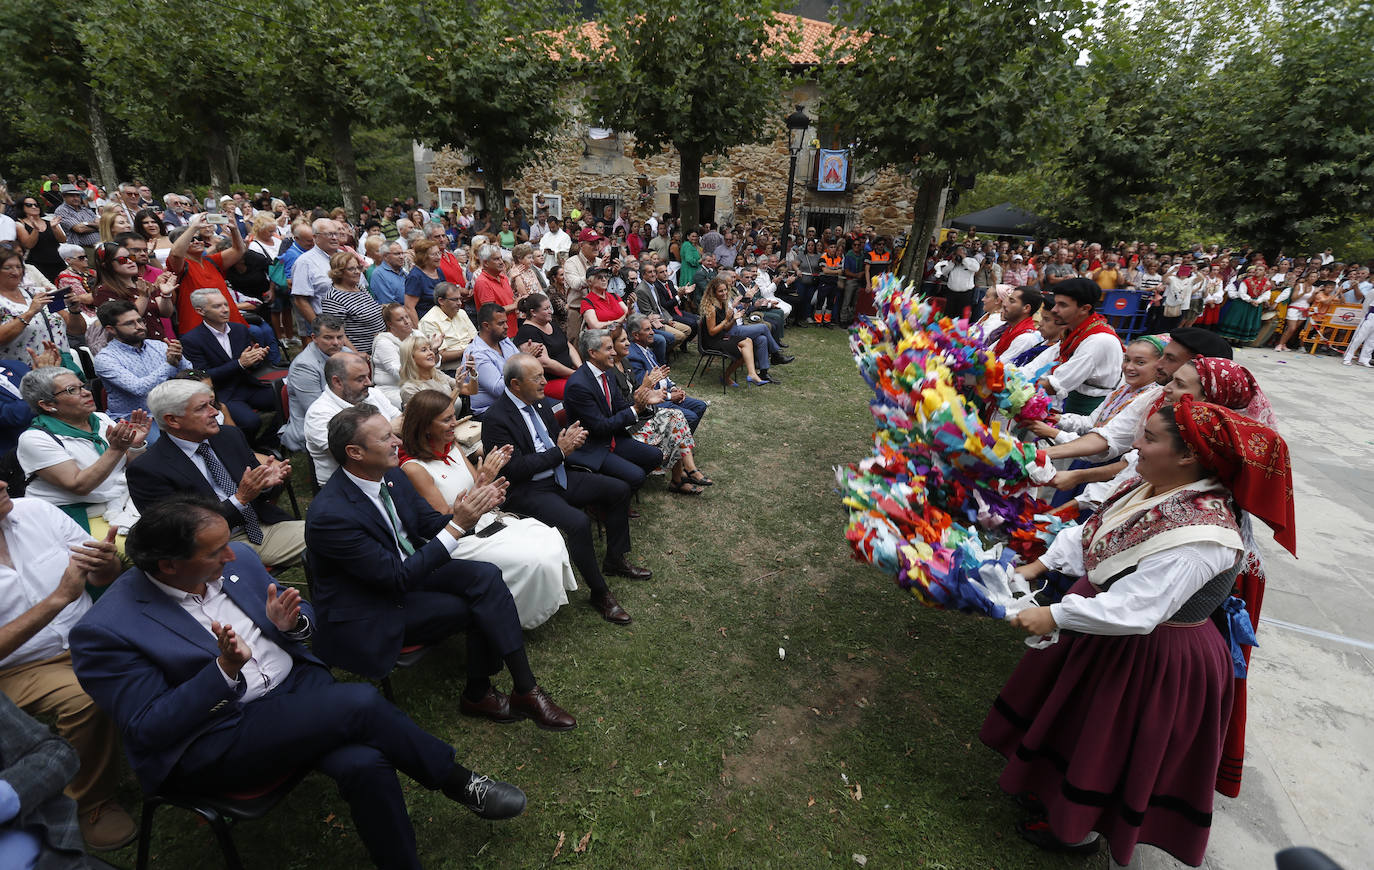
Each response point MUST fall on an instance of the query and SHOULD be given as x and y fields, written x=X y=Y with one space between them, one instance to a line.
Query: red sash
x=1021 y=327
x=1094 y=325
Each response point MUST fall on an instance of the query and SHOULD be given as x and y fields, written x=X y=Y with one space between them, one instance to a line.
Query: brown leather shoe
x=107 y=826
x=537 y=705
x=610 y=610
x=495 y=705
x=621 y=568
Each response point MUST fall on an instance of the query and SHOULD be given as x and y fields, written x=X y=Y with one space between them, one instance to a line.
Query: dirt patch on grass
x=792 y=734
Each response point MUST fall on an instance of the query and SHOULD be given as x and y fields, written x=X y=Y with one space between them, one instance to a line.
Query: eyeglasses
x=71 y=391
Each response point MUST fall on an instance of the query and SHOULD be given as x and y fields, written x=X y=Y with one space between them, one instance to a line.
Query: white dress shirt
x=1093 y=370
x=222 y=336
x=372 y=489
x=539 y=446
x=270 y=663
x=39 y=537
x=190 y=448
x=317 y=427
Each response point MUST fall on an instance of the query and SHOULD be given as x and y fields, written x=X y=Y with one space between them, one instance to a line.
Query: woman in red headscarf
x=1116 y=731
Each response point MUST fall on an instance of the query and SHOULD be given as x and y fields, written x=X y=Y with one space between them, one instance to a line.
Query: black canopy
x=1002 y=220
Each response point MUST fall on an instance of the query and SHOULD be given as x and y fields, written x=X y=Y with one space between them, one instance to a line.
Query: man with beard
x=1089 y=362
x=349 y=380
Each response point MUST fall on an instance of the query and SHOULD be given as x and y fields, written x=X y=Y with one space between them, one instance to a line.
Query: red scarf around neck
x=1009 y=333
x=1096 y=324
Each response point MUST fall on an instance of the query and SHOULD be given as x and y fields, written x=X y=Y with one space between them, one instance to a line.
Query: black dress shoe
x=1036 y=831
x=487 y=797
x=610 y=610
x=779 y=359
x=782 y=344
x=495 y=705
x=621 y=568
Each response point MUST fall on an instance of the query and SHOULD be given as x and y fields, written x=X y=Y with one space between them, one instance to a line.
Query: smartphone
x=492 y=528
x=216 y=218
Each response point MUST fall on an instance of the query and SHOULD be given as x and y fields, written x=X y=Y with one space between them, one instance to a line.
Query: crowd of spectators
x=464 y=396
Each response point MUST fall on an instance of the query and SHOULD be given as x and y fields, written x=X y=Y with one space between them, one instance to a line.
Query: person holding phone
x=40 y=234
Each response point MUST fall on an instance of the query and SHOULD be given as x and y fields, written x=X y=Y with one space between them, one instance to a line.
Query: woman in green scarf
x=74 y=456
x=690 y=254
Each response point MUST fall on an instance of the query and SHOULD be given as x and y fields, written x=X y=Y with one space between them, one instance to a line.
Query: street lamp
x=797 y=124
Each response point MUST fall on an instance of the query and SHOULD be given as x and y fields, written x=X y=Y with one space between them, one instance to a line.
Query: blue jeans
x=660 y=348
x=264 y=335
x=762 y=337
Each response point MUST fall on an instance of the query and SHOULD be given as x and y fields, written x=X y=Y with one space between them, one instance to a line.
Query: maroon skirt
x=1119 y=735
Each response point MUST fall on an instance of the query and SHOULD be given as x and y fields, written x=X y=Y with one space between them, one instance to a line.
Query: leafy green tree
x=497 y=95
x=942 y=88
x=700 y=77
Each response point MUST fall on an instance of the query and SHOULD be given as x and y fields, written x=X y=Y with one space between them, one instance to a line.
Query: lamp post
x=797 y=124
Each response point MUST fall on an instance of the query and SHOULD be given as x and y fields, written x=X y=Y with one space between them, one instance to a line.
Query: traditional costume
x=1119 y=727
x=1010 y=340
x=1240 y=322
x=1088 y=366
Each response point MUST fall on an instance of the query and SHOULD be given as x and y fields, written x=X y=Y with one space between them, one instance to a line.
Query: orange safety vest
x=885 y=257
x=833 y=264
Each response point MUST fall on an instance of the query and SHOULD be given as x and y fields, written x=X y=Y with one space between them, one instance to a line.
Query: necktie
x=396 y=529
x=560 y=474
x=224 y=483
x=610 y=409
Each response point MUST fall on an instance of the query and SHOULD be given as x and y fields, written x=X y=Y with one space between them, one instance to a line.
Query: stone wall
x=747 y=182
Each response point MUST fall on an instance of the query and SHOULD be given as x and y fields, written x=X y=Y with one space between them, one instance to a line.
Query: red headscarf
x=1249 y=459
x=1231 y=385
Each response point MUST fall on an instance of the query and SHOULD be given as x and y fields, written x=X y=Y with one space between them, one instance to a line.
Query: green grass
x=697 y=746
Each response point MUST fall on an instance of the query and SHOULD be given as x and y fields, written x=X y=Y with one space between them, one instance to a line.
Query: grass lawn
x=698 y=745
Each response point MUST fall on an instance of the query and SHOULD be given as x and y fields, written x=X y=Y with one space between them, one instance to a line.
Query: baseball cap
x=588 y=235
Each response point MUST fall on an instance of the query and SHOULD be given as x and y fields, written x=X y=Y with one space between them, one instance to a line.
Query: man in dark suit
x=15 y=413
x=641 y=361
x=385 y=576
x=227 y=353
x=670 y=297
x=593 y=399
x=543 y=486
x=205 y=670
x=200 y=455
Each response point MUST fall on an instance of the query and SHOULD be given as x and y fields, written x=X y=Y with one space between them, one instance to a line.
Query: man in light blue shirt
x=388 y=282
x=132 y=364
x=490 y=350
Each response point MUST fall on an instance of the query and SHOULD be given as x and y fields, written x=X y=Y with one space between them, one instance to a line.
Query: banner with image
x=833 y=174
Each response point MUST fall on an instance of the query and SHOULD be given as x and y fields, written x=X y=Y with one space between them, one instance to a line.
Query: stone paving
x=1308 y=758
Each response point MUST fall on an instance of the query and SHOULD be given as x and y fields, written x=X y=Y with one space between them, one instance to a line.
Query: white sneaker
x=1367 y=365
x=1346 y=362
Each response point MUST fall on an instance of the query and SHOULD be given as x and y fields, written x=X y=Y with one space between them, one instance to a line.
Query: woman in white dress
x=386 y=351
x=532 y=556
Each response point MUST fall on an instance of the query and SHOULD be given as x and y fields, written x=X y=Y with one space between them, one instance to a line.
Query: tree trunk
x=182 y=169
x=231 y=157
x=929 y=186
x=101 y=154
x=689 y=188
x=494 y=188
x=217 y=158
x=341 y=135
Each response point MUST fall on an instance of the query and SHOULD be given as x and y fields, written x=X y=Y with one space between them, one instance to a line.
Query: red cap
x=588 y=235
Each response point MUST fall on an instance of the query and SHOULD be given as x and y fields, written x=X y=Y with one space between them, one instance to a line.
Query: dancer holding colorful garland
x=1117 y=730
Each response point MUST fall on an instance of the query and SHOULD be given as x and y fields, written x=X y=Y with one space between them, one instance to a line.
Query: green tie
x=395 y=522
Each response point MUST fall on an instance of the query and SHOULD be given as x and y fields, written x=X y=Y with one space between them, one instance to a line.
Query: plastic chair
x=220 y=811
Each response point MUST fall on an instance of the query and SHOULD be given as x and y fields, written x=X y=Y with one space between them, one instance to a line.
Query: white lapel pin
x=233 y=578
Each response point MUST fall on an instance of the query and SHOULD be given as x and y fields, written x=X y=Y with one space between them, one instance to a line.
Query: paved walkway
x=1308 y=758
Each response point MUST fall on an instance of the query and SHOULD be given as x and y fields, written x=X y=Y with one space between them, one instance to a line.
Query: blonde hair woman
x=113 y=221
x=420 y=371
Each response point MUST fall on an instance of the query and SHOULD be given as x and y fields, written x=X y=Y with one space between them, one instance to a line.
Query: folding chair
x=705 y=355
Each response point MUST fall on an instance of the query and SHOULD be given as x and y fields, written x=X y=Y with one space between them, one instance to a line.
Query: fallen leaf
x=810 y=802
x=858 y=792
x=861 y=860
x=559 y=848
x=582 y=843
x=722 y=632
x=732 y=830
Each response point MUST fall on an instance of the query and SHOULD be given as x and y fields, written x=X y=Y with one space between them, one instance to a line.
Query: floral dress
x=45 y=326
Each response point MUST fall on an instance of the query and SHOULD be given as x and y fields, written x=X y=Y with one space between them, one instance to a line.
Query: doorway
x=706 y=205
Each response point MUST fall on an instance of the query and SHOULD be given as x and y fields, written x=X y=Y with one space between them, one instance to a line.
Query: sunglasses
x=124 y=261
x=79 y=257
x=30 y=205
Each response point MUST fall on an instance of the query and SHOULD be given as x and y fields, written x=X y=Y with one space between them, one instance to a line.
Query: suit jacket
x=586 y=403
x=667 y=298
x=149 y=665
x=231 y=380
x=38 y=764
x=503 y=423
x=164 y=469
x=15 y=413
x=646 y=299
x=360 y=578
x=640 y=362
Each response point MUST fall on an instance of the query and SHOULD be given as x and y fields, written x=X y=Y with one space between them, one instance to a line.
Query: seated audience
x=305 y=377
x=76 y=455
x=386 y=350
x=49 y=562
x=350 y=301
x=227 y=352
x=543 y=486
x=667 y=335
x=449 y=324
x=388 y=575
x=532 y=557
x=420 y=372
x=719 y=320
x=119 y=275
x=214 y=689
x=26 y=323
x=600 y=309
x=491 y=286
x=489 y=352
x=665 y=428
x=423 y=278
x=641 y=361
x=387 y=281
x=559 y=359
x=15 y=413
x=199 y=455
x=39 y=827
x=131 y=364
x=596 y=402
x=349 y=380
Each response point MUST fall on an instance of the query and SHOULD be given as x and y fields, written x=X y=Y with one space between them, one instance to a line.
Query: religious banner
x=833 y=174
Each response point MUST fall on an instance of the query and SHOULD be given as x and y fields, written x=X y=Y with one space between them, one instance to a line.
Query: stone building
x=595 y=168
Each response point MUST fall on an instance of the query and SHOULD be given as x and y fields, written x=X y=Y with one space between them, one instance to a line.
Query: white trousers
x=1364 y=335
